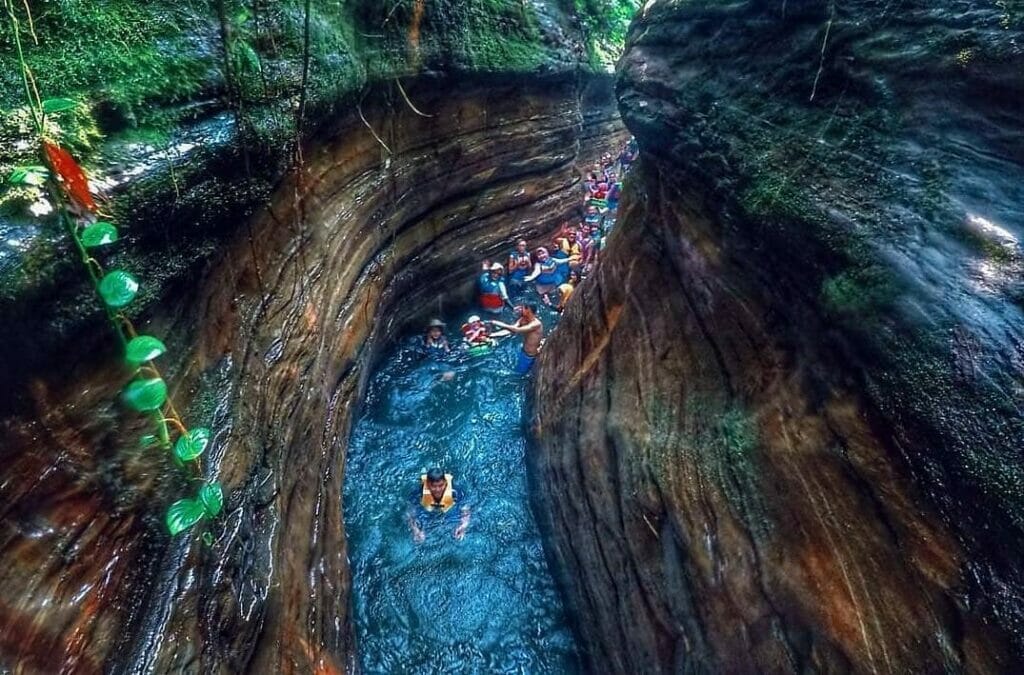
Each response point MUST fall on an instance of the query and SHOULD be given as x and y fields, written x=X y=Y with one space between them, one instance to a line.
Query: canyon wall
x=780 y=429
x=293 y=190
x=277 y=336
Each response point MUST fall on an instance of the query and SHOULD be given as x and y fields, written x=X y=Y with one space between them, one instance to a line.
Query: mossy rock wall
x=189 y=116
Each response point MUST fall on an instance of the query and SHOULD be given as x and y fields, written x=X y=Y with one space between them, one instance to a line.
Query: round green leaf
x=192 y=444
x=143 y=348
x=118 y=288
x=56 y=105
x=212 y=497
x=183 y=514
x=98 y=234
x=146 y=395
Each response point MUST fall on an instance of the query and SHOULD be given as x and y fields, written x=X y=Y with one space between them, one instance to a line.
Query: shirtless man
x=532 y=330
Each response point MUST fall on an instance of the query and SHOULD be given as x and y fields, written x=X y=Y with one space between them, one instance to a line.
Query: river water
x=486 y=604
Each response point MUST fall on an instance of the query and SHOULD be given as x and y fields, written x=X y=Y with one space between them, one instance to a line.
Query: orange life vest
x=427 y=499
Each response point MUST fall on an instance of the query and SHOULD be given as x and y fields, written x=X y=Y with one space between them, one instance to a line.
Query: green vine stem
x=147 y=391
x=33 y=101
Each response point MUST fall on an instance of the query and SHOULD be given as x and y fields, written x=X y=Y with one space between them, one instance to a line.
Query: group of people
x=550 y=273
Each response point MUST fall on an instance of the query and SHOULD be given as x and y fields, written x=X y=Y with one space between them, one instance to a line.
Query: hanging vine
x=67 y=186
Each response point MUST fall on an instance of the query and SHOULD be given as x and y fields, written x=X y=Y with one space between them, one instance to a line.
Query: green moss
x=121 y=53
x=495 y=51
x=722 y=440
x=776 y=197
x=728 y=442
x=858 y=293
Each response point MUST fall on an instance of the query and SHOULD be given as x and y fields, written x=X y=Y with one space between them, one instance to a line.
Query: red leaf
x=74 y=181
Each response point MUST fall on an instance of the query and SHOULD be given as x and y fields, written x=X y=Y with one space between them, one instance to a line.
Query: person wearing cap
x=437 y=500
x=493 y=294
x=474 y=332
x=435 y=341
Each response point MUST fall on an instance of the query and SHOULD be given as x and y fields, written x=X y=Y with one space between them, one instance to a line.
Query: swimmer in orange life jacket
x=437 y=498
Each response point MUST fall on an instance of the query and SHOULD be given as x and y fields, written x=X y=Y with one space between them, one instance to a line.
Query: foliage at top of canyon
x=198 y=104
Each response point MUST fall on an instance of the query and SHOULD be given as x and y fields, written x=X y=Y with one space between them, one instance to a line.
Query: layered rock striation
x=386 y=222
x=780 y=429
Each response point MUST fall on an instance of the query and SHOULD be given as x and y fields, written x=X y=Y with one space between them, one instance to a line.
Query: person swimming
x=437 y=498
x=493 y=294
x=474 y=332
x=529 y=326
x=435 y=341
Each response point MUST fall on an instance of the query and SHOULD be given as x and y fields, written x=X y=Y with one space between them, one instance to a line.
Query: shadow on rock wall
x=277 y=336
x=783 y=425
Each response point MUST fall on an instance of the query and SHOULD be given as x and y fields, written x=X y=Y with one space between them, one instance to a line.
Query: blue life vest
x=548 y=273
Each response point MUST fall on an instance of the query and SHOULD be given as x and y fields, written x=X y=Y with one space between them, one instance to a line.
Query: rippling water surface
x=486 y=604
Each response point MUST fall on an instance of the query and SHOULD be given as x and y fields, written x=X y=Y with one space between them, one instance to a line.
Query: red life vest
x=491 y=301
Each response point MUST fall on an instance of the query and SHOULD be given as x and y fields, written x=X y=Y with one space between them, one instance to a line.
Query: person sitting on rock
x=519 y=265
x=545 y=271
x=474 y=332
x=493 y=294
x=437 y=499
x=530 y=327
x=435 y=341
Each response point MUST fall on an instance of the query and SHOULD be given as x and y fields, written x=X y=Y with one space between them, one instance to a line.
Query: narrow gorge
x=778 y=427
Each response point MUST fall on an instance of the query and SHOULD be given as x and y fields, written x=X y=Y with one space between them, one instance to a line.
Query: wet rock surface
x=780 y=429
x=276 y=338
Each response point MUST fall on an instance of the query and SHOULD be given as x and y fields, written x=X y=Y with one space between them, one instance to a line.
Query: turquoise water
x=486 y=604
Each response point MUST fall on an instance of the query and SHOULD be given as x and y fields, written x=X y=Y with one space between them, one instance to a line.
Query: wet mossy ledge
x=188 y=117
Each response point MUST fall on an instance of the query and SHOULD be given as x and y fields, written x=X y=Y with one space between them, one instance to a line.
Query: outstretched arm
x=518 y=329
x=417 y=531
x=460 y=531
x=534 y=274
